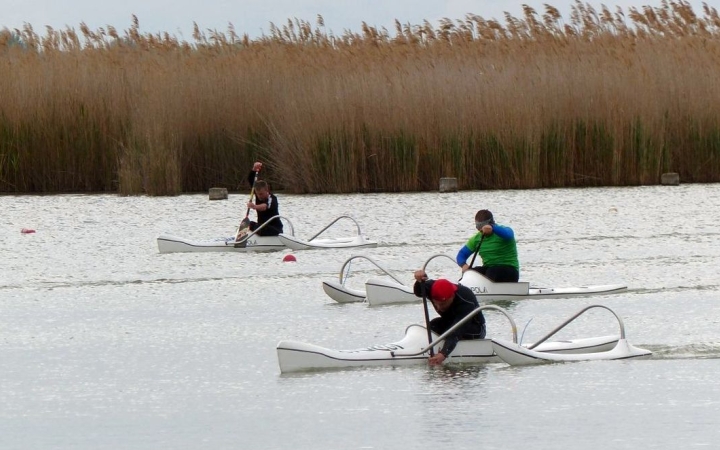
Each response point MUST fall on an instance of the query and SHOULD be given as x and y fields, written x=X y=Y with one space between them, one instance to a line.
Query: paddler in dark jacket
x=452 y=302
x=265 y=205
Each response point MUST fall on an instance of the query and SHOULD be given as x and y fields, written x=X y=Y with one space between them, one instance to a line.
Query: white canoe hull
x=294 y=243
x=385 y=291
x=296 y=356
x=173 y=244
x=382 y=291
x=516 y=355
x=488 y=290
x=343 y=294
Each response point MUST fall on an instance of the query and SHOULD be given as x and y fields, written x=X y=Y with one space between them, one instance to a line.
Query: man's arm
x=506 y=233
x=463 y=255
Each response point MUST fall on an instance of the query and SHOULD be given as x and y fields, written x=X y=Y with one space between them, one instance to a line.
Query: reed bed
x=606 y=97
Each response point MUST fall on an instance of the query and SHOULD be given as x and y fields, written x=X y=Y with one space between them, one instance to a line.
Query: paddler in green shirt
x=497 y=248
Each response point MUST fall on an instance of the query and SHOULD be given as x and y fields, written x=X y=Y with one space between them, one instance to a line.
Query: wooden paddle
x=244 y=226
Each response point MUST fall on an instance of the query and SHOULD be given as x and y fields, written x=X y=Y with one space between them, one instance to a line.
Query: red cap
x=442 y=290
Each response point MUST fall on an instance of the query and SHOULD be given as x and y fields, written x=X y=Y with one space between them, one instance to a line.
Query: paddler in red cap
x=452 y=302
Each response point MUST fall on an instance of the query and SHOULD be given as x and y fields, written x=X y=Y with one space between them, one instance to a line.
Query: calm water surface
x=105 y=343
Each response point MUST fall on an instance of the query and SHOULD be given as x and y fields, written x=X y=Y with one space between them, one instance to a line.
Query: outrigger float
x=390 y=290
x=357 y=241
x=415 y=348
x=253 y=242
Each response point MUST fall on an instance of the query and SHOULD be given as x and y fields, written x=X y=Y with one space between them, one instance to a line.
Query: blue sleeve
x=463 y=255
x=506 y=233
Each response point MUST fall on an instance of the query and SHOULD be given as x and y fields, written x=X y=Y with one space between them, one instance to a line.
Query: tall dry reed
x=610 y=97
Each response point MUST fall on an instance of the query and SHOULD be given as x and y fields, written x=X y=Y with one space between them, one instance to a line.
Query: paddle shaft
x=247 y=213
x=477 y=250
x=252 y=192
x=423 y=289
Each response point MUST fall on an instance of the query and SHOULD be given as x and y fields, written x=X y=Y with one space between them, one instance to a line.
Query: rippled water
x=105 y=343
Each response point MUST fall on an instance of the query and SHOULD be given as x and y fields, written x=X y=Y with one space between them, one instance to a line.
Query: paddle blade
x=243 y=229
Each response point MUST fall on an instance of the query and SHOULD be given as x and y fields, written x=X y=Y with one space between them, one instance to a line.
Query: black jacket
x=463 y=304
x=275 y=227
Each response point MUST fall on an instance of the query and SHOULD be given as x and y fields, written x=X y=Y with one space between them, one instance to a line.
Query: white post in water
x=670 y=179
x=218 y=194
x=448 y=185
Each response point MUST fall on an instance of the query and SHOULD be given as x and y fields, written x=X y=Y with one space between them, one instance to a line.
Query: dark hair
x=484 y=215
x=260 y=185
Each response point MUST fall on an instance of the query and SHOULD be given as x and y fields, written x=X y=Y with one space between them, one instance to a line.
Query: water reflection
x=451 y=377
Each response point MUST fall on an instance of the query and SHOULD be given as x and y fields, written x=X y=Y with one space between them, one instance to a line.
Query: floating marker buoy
x=289 y=258
x=27 y=231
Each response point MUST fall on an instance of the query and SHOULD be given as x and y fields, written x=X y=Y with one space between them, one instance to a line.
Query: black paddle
x=245 y=223
x=423 y=289
x=477 y=250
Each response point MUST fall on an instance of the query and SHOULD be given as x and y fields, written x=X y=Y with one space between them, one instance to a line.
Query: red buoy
x=289 y=258
x=27 y=231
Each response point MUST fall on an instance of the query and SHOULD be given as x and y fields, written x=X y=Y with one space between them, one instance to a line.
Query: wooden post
x=448 y=185
x=218 y=194
x=670 y=179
